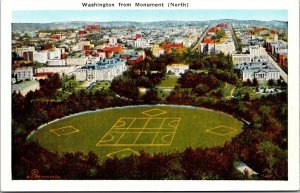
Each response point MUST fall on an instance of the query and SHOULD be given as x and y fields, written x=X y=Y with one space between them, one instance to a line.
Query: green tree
x=26 y=35
x=246 y=97
x=271 y=82
x=150 y=96
x=255 y=82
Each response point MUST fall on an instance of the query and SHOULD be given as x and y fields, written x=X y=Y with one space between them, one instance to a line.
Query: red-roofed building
x=47 y=47
x=274 y=31
x=125 y=56
x=213 y=29
x=82 y=33
x=88 y=52
x=92 y=27
x=167 y=47
x=137 y=36
x=258 y=29
x=57 y=36
x=42 y=75
x=208 y=41
x=86 y=47
x=112 y=49
x=135 y=60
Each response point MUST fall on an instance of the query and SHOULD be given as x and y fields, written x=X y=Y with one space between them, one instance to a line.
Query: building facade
x=261 y=71
x=56 y=62
x=23 y=73
x=241 y=58
x=22 y=50
x=105 y=69
x=68 y=70
x=77 y=61
x=41 y=57
x=177 y=69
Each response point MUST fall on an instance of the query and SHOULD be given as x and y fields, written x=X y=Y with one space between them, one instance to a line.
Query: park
x=126 y=131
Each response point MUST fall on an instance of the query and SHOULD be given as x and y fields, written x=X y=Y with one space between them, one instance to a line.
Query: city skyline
x=48 y=16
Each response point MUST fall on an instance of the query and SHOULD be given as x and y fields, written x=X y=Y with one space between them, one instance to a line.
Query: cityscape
x=198 y=98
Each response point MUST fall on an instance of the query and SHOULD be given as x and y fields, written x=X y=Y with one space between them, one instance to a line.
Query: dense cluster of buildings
x=218 y=39
x=256 y=61
x=74 y=53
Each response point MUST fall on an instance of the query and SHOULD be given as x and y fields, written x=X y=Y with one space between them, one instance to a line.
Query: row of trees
x=208 y=164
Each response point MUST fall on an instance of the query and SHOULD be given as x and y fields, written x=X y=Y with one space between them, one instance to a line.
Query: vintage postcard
x=149 y=95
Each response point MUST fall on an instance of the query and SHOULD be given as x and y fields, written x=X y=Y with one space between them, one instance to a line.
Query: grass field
x=166 y=86
x=125 y=131
x=168 y=82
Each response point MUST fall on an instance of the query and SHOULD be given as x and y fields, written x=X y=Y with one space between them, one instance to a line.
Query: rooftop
x=105 y=64
x=24 y=85
x=256 y=66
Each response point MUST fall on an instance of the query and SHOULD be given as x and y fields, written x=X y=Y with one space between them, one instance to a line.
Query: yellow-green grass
x=168 y=82
x=128 y=130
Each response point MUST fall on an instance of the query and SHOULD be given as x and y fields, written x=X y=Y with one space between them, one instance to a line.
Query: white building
x=40 y=57
x=177 y=69
x=241 y=58
x=187 y=42
x=113 y=40
x=21 y=50
x=105 y=69
x=55 y=54
x=255 y=51
x=140 y=43
x=101 y=54
x=57 y=62
x=23 y=73
x=24 y=87
x=68 y=70
x=77 y=61
x=80 y=45
x=226 y=47
x=261 y=71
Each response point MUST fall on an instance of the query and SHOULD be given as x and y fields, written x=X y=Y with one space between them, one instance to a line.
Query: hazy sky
x=145 y=15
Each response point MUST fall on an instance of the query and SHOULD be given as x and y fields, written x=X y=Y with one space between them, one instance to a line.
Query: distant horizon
x=186 y=15
x=152 y=21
